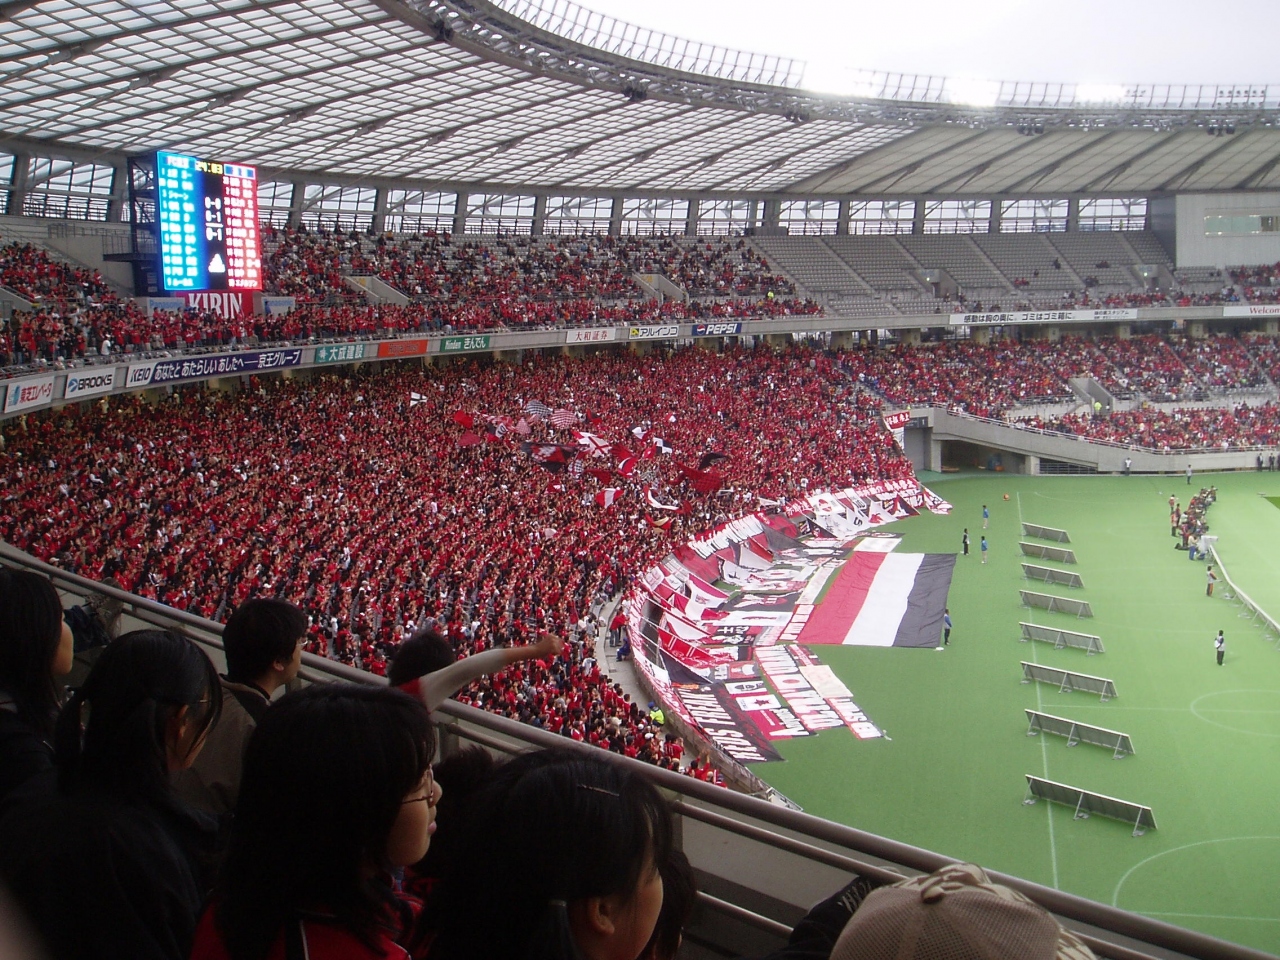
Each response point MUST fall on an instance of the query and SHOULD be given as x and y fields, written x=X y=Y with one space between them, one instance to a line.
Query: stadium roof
x=547 y=96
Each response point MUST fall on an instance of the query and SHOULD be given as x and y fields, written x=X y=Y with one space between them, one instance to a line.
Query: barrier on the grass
x=1118 y=743
x=1045 y=552
x=1068 y=680
x=1047 y=601
x=1066 y=578
x=1044 y=533
x=1061 y=638
x=1086 y=802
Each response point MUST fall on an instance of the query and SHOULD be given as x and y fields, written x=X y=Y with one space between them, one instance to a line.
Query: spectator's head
x=35 y=646
x=955 y=913
x=679 y=897
x=263 y=640
x=152 y=697
x=336 y=790
x=564 y=851
x=461 y=776
x=425 y=652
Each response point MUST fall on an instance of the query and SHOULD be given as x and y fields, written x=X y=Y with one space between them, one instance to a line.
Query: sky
x=1086 y=41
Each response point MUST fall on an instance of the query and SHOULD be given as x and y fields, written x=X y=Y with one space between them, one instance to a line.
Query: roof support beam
x=487 y=118
x=961 y=179
x=770 y=164
x=894 y=176
x=654 y=148
x=1031 y=179
x=1180 y=177
x=169 y=69
x=1258 y=174
x=275 y=118
x=7 y=13
x=1103 y=179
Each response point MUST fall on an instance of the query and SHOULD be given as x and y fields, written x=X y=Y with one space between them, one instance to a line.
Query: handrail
x=500 y=732
x=1243 y=597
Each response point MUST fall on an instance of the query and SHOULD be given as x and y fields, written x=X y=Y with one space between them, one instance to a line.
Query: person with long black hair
x=35 y=651
x=108 y=862
x=563 y=861
x=336 y=796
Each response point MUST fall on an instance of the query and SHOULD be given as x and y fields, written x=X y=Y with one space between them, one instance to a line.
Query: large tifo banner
x=720 y=627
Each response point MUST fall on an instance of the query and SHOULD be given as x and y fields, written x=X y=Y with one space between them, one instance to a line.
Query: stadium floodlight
x=970 y=92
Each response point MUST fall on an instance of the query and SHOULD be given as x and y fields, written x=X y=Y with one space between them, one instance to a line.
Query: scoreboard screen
x=208 y=216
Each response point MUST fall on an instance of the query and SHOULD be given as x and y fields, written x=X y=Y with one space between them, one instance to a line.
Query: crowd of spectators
x=217 y=498
x=31 y=273
x=984 y=380
x=1204 y=428
x=994 y=379
x=310 y=265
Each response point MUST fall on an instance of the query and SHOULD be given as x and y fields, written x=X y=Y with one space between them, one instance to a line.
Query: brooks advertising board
x=90 y=384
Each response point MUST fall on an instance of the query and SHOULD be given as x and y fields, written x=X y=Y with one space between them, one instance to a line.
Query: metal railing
x=923 y=88
x=784 y=833
x=1252 y=611
x=591 y=29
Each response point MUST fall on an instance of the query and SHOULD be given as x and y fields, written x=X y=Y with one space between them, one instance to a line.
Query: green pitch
x=1207 y=738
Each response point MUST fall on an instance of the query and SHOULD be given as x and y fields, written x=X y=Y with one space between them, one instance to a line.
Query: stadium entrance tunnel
x=960 y=455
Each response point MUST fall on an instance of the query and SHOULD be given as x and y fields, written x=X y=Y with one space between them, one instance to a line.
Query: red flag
x=704 y=481
x=608 y=496
x=604 y=476
x=621 y=452
x=469 y=440
x=463 y=419
x=627 y=466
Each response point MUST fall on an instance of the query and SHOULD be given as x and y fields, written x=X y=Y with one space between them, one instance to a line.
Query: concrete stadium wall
x=1033 y=447
x=1194 y=249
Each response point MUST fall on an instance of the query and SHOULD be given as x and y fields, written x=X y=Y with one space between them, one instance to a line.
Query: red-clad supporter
x=368 y=512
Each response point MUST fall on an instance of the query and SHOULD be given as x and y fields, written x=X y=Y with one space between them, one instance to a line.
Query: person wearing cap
x=955 y=913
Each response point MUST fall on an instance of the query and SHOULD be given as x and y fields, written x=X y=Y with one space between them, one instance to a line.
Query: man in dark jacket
x=263 y=643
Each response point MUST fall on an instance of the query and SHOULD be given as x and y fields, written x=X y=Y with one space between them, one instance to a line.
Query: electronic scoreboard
x=207 y=213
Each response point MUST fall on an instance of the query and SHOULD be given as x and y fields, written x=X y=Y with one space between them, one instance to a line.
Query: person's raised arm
x=435 y=688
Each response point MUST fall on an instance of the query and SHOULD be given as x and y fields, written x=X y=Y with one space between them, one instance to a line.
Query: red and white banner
x=884 y=600
x=896 y=424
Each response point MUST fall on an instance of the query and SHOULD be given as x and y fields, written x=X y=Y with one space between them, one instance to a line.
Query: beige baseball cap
x=955 y=913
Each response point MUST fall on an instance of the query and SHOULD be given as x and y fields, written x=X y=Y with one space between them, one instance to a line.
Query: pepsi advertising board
x=207 y=212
